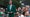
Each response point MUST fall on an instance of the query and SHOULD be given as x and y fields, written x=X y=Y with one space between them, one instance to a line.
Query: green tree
x=16 y=2
x=2 y=2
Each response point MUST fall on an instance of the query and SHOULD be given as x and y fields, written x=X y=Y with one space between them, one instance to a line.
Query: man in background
x=11 y=9
x=27 y=11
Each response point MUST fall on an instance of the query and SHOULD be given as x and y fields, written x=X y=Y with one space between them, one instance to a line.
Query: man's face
x=10 y=2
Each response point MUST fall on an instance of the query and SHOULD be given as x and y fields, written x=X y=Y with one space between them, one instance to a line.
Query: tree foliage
x=5 y=2
x=16 y=2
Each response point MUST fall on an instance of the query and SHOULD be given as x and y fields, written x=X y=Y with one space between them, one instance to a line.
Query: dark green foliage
x=28 y=0
x=16 y=2
x=2 y=2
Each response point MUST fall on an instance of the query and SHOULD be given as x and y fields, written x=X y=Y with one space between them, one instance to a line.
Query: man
x=11 y=9
x=27 y=12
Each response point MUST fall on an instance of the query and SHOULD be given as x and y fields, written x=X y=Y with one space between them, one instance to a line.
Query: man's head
x=10 y=2
x=27 y=6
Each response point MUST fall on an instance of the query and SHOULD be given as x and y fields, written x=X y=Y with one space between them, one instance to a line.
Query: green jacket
x=13 y=9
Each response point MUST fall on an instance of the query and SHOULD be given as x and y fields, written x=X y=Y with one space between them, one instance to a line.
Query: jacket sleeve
x=14 y=8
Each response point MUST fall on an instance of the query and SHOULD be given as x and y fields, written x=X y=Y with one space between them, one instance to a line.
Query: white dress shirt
x=10 y=7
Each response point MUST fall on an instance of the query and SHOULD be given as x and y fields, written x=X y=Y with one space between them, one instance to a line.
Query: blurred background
x=21 y=6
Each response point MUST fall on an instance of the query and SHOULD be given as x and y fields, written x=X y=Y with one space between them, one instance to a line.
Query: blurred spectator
x=23 y=10
x=19 y=15
x=19 y=8
x=27 y=14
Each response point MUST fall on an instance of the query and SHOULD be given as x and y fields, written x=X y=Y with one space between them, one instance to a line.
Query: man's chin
x=10 y=3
